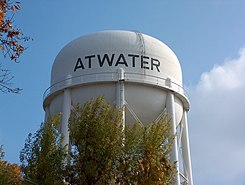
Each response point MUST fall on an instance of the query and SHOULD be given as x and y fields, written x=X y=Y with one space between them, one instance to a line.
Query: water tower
x=134 y=70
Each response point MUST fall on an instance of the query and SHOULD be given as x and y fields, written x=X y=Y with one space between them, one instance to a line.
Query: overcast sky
x=208 y=37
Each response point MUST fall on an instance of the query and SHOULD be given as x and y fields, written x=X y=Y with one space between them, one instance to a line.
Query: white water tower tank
x=129 y=68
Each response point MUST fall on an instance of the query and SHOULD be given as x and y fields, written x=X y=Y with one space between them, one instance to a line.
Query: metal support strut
x=121 y=94
x=66 y=111
x=174 y=154
x=186 y=149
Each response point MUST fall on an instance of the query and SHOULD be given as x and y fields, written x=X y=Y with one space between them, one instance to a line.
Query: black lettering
x=133 y=58
x=155 y=64
x=79 y=64
x=110 y=61
x=143 y=62
x=122 y=59
x=89 y=60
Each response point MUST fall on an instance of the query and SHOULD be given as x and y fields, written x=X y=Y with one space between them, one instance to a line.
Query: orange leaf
x=12 y=8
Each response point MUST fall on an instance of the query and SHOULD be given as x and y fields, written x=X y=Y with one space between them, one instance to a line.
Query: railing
x=81 y=79
x=154 y=80
x=113 y=76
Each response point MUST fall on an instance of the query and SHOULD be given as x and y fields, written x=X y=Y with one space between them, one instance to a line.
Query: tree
x=96 y=137
x=146 y=154
x=10 y=174
x=101 y=151
x=11 y=42
x=105 y=153
x=6 y=81
x=43 y=156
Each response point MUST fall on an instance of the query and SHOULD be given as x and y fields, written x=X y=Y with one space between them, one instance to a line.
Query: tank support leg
x=174 y=154
x=121 y=94
x=66 y=111
x=186 y=150
x=47 y=113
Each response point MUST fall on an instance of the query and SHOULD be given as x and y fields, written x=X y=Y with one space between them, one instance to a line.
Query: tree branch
x=5 y=82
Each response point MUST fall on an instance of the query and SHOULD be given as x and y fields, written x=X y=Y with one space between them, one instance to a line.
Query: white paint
x=174 y=154
x=121 y=94
x=66 y=111
x=140 y=73
x=186 y=149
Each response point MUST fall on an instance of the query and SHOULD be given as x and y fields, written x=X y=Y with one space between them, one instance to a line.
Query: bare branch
x=5 y=82
x=11 y=42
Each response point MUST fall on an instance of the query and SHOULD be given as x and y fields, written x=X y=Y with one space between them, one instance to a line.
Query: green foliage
x=96 y=137
x=43 y=155
x=102 y=150
x=146 y=153
x=10 y=174
x=1 y=153
x=104 y=153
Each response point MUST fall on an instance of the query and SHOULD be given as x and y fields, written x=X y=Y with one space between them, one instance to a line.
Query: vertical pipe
x=174 y=154
x=186 y=149
x=47 y=113
x=121 y=94
x=66 y=111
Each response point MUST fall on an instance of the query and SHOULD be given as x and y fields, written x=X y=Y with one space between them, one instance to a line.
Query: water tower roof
x=108 y=50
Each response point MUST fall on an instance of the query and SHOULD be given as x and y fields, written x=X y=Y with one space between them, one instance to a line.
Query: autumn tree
x=101 y=150
x=10 y=174
x=96 y=137
x=11 y=42
x=146 y=154
x=43 y=156
x=104 y=153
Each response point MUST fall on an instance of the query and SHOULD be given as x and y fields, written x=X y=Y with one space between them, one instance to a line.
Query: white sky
x=217 y=123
